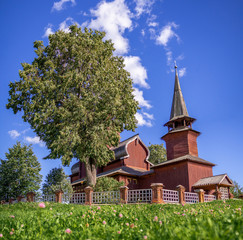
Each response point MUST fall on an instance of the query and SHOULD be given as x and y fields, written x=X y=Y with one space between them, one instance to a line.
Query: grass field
x=215 y=220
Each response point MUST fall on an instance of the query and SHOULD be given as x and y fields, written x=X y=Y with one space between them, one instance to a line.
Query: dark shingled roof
x=178 y=104
x=126 y=171
x=121 y=149
x=183 y=158
x=121 y=170
x=221 y=179
x=75 y=168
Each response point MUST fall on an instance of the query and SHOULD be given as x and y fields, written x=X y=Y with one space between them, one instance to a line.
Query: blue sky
x=204 y=37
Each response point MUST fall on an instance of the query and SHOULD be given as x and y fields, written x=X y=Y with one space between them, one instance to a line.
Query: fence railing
x=139 y=195
x=45 y=198
x=170 y=196
x=155 y=195
x=191 y=197
x=209 y=198
x=48 y=198
x=105 y=197
x=78 y=198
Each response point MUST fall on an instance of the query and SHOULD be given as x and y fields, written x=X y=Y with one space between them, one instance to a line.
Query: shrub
x=107 y=184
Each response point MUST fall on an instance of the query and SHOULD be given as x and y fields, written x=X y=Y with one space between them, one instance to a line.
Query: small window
x=135 y=181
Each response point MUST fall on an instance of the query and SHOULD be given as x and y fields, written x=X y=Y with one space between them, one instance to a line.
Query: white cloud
x=143 y=6
x=143 y=32
x=48 y=30
x=151 y=21
x=58 y=6
x=84 y=24
x=138 y=95
x=149 y=116
x=169 y=57
x=34 y=140
x=180 y=57
x=64 y=26
x=84 y=14
x=166 y=34
x=182 y=72
x=152 y=33
x=137 y=71
x=153 y=24
x=14 y=134
x=142 y=121
x=113 y=18
x=25 y=131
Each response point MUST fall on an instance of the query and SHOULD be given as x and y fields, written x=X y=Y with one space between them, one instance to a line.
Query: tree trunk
x=90 y=172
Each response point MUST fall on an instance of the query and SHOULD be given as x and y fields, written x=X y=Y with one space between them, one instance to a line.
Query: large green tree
x=19 y=173
x=55 y=180
x=77 y=97
x=157 y=153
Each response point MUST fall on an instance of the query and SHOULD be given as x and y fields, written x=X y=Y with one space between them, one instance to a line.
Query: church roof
x=121 y=149
x=128 y=171
x=178 y=104
x=183 y=158
x=75 y=168
x=221 y=179
x=120 y=152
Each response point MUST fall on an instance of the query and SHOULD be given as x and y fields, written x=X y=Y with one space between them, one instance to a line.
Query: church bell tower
x=181 y=139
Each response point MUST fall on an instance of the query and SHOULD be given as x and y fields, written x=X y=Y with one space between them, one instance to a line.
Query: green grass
x=215 y=220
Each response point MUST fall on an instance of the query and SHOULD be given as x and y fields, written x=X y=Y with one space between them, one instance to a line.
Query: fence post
x=218 y=194
x=157 y=192
x=200 y=193
x=181 y=192
x=123 y=194
x=30 y=196
x=59 y=196
x=88 y=195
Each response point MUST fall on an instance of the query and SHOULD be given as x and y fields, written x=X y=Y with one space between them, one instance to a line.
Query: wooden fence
x=155 y=194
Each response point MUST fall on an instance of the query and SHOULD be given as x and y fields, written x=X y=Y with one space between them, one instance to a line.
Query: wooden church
x=183 y=166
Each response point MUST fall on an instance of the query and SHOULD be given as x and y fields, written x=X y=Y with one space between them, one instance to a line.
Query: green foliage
x=215 y=220
x=56 y=179
x=237 y=190
x=107 y=184
x=19 y=173
x=157 y=153
x=76 y=96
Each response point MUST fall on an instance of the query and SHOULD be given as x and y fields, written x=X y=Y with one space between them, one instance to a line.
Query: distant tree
x=77 y=97
x=107 y=184
x=55 y=180
x=237 y=190
x=20 y=172
x=157 y=153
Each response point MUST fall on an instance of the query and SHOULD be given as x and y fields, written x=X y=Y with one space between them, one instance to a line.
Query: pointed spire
x=178 y=104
